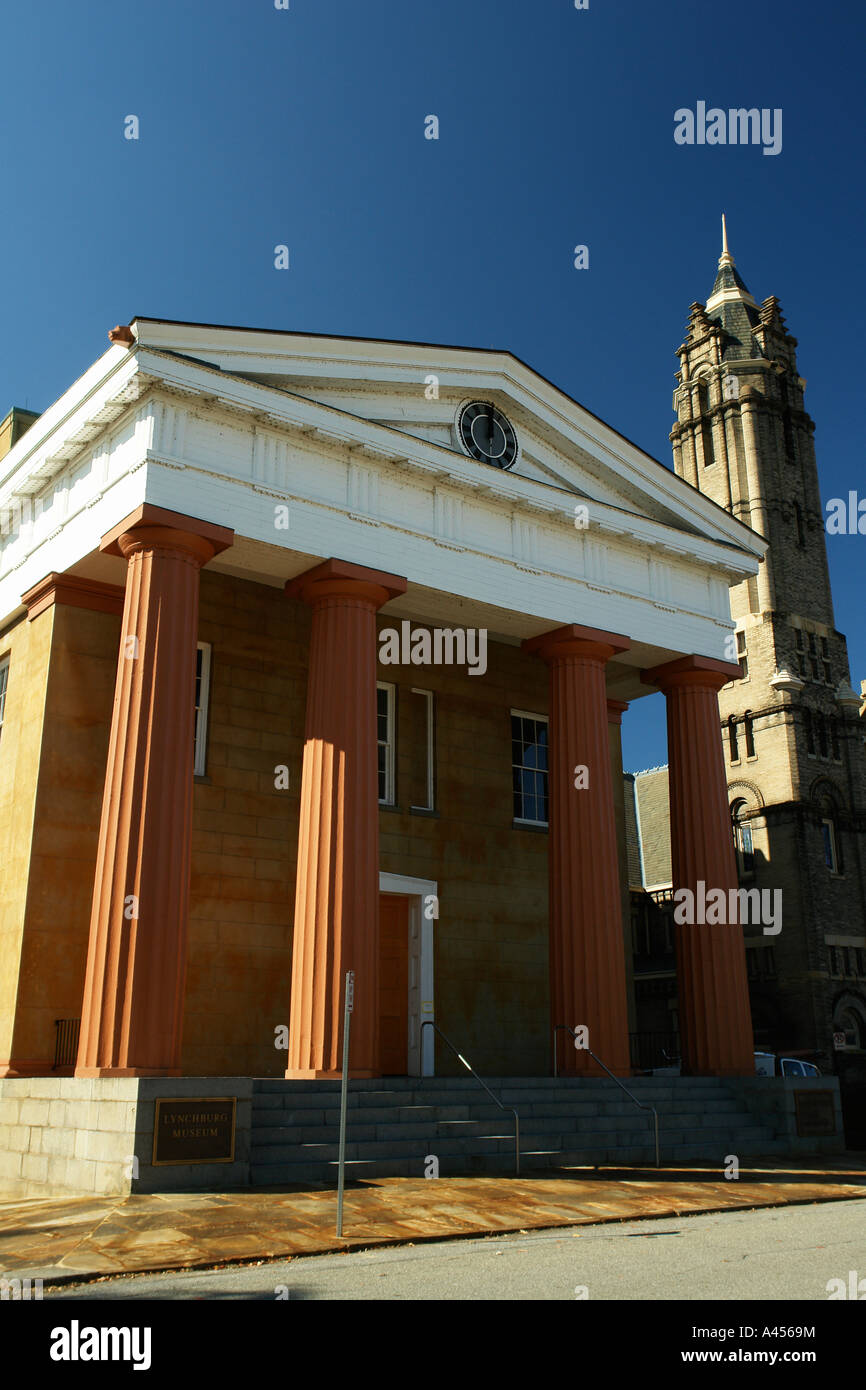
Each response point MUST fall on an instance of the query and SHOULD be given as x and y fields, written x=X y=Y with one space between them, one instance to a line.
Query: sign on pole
x=344 y=1095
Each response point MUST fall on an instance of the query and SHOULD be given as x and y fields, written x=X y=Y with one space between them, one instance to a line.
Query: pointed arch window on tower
x=749 y=731
x=732 y=739
x=809 y=731
x=786 y=421
x=835 y=750
x=801 y=652
x=706 y=422
x=825 y=662
x=798 y=517
x=829 y=835
x=743 y=656
x=743 y=839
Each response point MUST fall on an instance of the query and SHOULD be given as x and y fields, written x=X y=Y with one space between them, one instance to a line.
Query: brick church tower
x=792 y=734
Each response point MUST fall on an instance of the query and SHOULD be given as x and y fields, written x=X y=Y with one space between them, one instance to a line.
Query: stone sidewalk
x=77 y=1238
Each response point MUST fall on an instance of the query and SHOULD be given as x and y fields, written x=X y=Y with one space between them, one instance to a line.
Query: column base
x=327 y=1074
x=127 y=1071
x=25 y=1069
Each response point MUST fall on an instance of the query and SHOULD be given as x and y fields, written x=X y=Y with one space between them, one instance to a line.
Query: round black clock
x=485 y=433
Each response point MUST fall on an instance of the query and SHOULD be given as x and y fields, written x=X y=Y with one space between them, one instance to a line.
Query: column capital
x=75 y=592
x=615 y=711
x=342 y=579
x=590 y=643
x=149 y=526
x=698 y=672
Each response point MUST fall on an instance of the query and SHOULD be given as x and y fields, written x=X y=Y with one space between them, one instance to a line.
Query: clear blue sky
x=261 y=126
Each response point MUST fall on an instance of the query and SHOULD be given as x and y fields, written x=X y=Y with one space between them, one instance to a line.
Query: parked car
x=766 y=1064
x=769 y=1064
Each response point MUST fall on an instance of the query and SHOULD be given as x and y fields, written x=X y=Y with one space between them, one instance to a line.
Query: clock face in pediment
x=486 y=434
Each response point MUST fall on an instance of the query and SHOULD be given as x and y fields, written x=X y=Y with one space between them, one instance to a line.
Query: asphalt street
x=783 y=1253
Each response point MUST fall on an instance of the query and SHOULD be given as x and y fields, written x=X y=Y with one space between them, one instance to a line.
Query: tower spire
x=731 y=305
x=726 y=258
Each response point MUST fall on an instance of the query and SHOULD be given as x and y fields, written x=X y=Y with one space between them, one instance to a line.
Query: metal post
x=344 y=1095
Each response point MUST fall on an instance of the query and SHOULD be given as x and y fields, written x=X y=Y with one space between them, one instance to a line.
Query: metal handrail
x=429 y=1024
x=640 y=1105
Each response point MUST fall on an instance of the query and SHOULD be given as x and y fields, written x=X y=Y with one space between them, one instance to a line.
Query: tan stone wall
x=65 y=674
x=490 y=941
x=245 y=831
x=69 y=803
x=28 y=646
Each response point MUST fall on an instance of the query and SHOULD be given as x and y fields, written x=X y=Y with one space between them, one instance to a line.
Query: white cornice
x=310 y=358
x=286 y=411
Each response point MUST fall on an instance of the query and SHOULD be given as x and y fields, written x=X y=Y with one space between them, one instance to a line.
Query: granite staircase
x=395 y=1123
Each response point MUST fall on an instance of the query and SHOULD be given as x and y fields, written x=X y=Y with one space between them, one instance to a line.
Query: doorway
x=393 y=984
x=408 y=910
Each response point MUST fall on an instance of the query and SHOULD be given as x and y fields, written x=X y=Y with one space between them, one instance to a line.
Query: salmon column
x=132 y=1014
x=587 y=956
x=337 y=893
x=715 y=1017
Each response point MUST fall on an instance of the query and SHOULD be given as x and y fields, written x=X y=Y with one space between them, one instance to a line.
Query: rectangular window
x=202 y=695
x=732 y=737
x=809 y=732
x=746 y=849
x=749 y=727
x=801 y=653
x=385 y=697
x=861 y=961
x=422 y=789
x=4 y=682
x=825 y=662
x=529 y=767
x=742 y=655
x=813 y=658
x=829 y=835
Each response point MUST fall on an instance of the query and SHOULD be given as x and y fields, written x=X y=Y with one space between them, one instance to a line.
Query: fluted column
x=715 y=1016
x=587 y=959
x=337 y=893
x=132 y=1013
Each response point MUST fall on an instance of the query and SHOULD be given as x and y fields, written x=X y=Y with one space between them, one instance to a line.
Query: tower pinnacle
x=726 y=258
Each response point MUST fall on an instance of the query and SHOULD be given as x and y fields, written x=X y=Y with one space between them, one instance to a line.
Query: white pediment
x=416 y=390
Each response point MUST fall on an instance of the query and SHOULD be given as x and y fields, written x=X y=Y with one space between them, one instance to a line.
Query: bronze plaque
x=816 y=1114
x=194 y=1131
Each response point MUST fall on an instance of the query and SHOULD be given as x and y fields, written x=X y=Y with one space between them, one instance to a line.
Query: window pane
x=385 y=739
x=529 y=761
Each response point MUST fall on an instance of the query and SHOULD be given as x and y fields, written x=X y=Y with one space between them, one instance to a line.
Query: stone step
x=562 y=1160
x=440 y=1091
x=429 y=1118
x=718 y=1142
x=537 y=1102
x=427 y=1132
x=267 y=1085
